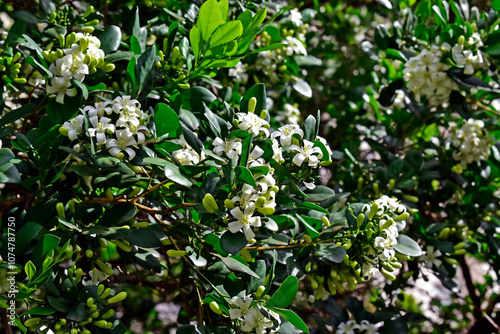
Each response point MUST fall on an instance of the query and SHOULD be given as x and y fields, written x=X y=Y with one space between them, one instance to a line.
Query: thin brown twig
x=149 y=210
x=153 y=188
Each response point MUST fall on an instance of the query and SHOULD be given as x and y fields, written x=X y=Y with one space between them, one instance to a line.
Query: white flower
x=294 y=46
x=472 y=141
x=244 y=221
x=253 y=124
x=61 y=87
x=277 y=152
x=243 y=304
x=187 y=155
x=100 y=127
x=124 y=104
x=431 y=257
x=254 y=158
x=368 y=327
x=71 y=65
x=246 y=197
x=347 y=327
x=124 y=139
x=239 y=72
x=386 y=245
x=99 y=109
x=306 y=153
x=255 y=322
x=97 y=276
x=286 y=132
x=290 y=114
x=295 y=17
x=74 y=126
x=232 y=147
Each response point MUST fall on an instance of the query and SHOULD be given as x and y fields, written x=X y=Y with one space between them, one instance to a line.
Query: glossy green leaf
x=235 y=265
x=232 y=243
x=209 y=18
x=244 y=175
x=407 y=246
x=110 y=39
x=16 y=114
x=166 y=120
x=226 y=32
x=291 y=317
x=285 y=294
x=118 y=214
x=173 y=173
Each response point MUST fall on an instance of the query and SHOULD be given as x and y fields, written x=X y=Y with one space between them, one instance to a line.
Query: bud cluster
x=472 y=142
x=10 y=67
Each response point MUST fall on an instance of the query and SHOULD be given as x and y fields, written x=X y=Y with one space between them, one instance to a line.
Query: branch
x=8 y=329
x=149 y=210
x=476 y=302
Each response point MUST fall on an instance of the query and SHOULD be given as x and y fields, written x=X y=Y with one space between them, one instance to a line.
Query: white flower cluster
x=466 y=58
x=290 y=114
x=74 y=63
x=252 y=201
x=389 y=211
x=472 y=140
x=116 y=125
x=252 y=319
x=186 y=155
x=425 y=75
x=239 y=72
x=352 y=327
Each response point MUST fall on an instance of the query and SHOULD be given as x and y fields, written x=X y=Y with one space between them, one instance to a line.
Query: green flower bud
x=71 y=206
x=282 y=68
x=252 y=103
x=360 y=183
x=118 y=298
x=104 y=268
x=89 y=253
x=209 y=203
x=345 y=259
x=176 y=253
x=338 y=284
x=402 y=257
x=103 y=242
x=32 y=321
x=314 y=283
x=60 y=210
x=260 y=202
x=166 y=242
x=63 y=131
x=263 y=114
x=108 y=314
x=90 y=302
x=396 y=265
x=59 y=53
x=184 y=86
x=78 y=275
x=20 y=81
x=89 y=11
x=351 y=283
x=411 y=198
x=229 y=204
x=450 y=260
x=266 y=211
x=260 y=291
x=100 y=289
x=373 y=210
x=325 y=221
x=375 y=189
x=331 y=286
x=109 y=68
x=392 y=183
x=246 y=255
x=444 y=233
x=387 y=266
x=93 y=22
x=95 y=314
x=308 y=266
x=123 y=245
x=387 y=274
x=105 y=293
x=408 y=274
x=388 y=223
x=401 y=217
x=360 y=220
x=100 y=323
x=215 y=307
x=143 y=224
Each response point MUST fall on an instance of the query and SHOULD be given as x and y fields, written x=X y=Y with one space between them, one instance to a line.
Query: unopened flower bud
x=215 y=307
x=411 y=198
x=108 y=314
x=229 y=204
x=401 y=217
x=176 y=253
x=89 y=253
x=252 y=103
x=118 y=298
x=360 y=220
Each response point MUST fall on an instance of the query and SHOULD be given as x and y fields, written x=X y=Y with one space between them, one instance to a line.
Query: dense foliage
x=229 y=167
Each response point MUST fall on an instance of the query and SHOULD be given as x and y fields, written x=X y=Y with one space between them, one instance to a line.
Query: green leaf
x=173 y=173
x=30 y=270
x=311 y=206
x=235 y=265
x=144 y=70
x=16 y=114
x=232 y=243
x=244 y=175
x=194 y=39
x=495 y=4
x=259 y=17
x=209 y=18
x=407 y=246
x=9 y=174
x=309 y=128
x=310 y=230
x=320 y=193
x=131 y=75
x=60 y=303
x=259 y=92
x=224 y=9
x=302 y=87
x=193 y=99
x=245 y=150
x=40 y=310
x=48 y=243
x=5 y=155
x=330 y=253
x=166 y=120
x=285 y=293
x=291 y=317
x=118 y=214
x=226 y=32
x=59 y=113
x=110 y=39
